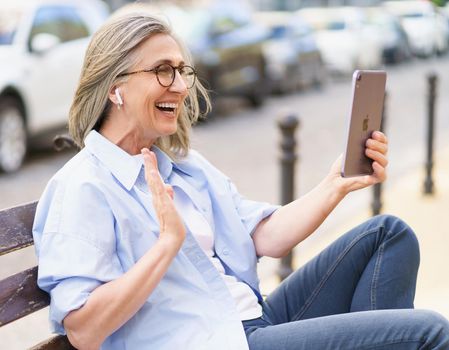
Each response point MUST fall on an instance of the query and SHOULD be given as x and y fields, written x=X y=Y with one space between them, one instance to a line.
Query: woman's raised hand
x=171 y=225
x=376 y=149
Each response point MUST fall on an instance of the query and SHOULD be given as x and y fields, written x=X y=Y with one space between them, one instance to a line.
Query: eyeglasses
x=166 y=73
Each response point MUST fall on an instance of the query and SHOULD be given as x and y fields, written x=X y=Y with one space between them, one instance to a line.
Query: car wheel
x=256 y=100
x=258 y=94
x=320 y=75
x=13 y=136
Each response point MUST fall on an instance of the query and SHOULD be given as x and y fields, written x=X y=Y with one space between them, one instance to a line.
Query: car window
x=228 y=16
x=9 y=22
x=336 y=25
x=279 y=32
x=300 y=28
x=413 y=15
x=61 y=21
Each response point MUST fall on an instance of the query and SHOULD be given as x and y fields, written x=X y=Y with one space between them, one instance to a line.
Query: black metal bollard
x=287 y=125
x=432 y=80
x=376 y=204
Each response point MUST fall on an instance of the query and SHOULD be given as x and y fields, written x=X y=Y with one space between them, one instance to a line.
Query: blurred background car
x=445 y=10
x=226 y=45
x=345 y=42
x=292 y=57
x=42 y=45
x=388 y=28
x=442 y=19
x=426 y=27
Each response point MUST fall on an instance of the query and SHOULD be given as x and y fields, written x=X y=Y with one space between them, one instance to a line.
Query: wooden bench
x=19 y=293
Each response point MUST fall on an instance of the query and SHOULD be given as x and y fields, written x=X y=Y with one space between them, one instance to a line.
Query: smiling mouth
x=167 y=107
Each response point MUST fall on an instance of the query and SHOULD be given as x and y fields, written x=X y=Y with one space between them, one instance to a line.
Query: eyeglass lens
x=166 y=75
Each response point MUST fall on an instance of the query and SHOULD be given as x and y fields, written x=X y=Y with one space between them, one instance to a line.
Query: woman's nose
x=179 y=85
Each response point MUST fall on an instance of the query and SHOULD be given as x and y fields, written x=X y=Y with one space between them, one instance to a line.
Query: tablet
x=368 y=92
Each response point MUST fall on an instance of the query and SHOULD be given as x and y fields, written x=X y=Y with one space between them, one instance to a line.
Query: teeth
x=167 y=105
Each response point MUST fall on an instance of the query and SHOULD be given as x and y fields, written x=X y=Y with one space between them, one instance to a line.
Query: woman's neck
x=129 y=138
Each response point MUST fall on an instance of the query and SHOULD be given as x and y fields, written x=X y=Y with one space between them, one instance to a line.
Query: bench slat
x=56 y=343
x=19 y=293
x=16 y=227
x=20 y=296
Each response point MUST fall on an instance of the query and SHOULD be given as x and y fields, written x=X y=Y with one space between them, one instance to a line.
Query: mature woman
x=143 y=244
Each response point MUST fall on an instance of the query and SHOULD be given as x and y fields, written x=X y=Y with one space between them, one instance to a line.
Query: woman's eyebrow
x=167 y=61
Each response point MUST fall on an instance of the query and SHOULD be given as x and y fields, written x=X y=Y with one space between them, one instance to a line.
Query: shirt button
x=225 y=251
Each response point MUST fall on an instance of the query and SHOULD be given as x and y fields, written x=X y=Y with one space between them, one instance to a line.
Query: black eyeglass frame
x=155 y=70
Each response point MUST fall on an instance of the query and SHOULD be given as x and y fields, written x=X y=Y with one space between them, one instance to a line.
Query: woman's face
x=151 y=109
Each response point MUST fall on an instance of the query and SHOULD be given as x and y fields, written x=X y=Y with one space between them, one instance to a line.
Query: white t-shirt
x=245 y=299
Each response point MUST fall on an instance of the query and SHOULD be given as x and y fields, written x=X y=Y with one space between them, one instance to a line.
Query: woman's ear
x=116 y=97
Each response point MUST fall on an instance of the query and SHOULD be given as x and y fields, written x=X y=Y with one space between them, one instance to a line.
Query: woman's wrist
x=335 y=187
x=170 y=243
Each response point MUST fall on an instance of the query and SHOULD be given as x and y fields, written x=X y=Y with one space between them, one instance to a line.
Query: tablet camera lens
x=359 y=77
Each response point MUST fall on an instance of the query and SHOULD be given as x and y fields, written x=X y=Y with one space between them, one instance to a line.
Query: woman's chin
x=169 y=129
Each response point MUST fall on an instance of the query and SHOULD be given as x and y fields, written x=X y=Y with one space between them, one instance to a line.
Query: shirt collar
x=166 y=164
x=122 y=165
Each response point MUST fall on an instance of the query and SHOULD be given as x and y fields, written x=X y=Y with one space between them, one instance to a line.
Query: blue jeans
x=356 y=294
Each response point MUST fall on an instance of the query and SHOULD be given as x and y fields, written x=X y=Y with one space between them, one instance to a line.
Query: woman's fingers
x=171 y=224
x=377 y=156
x=377 y=146
x=151 y=173
x=379 y=136
x=359 y=182
x=377 y=149
x=378 y=142
x=155 y=184
x=379 y=172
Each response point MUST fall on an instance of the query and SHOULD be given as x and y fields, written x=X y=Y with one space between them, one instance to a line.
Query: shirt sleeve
x=251 y=212
x=75 y=244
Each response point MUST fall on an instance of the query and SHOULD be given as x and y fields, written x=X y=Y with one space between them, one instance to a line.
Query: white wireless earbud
x=119 y=97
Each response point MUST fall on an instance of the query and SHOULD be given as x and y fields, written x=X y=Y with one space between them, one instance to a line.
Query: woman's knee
x=436 y=319
x=391 y=223
x=397 y=232
x=399 y=229
x=437 y=327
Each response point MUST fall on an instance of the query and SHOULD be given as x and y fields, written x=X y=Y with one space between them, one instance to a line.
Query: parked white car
x=346 y=43
x=391 y=34
x=426 y=27
x=42 y=46
x=445 y=10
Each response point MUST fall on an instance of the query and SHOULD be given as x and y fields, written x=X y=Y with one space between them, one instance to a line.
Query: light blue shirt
x=95 y=220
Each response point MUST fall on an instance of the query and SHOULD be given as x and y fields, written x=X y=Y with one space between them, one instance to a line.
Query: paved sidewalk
x=427 y=215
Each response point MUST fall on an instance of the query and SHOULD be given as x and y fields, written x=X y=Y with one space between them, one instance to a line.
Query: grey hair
x=111 y=52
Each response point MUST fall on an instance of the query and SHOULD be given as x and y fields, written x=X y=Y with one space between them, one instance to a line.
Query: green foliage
x=440 y=2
